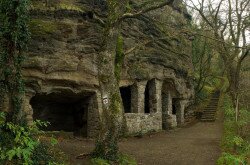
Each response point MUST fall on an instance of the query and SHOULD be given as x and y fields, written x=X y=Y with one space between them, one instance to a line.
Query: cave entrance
x=65 y=112
x=126 y=98
x=174 y=106
x=147 y=99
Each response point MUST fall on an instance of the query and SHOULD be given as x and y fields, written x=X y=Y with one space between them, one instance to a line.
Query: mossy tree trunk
x=109 y=69
x=14 y=36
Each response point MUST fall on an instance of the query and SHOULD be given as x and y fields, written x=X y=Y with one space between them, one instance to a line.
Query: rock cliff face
x=61 y=69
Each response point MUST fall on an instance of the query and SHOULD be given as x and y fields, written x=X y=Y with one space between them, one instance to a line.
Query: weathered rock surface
x=63 y=50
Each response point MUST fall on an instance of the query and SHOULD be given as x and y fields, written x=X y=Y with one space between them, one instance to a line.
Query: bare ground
x=198 y=144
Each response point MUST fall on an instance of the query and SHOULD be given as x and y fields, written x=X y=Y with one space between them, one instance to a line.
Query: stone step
x=207 y=120
x=208 y=116
x=210 y=109
x=209 y=112
x=212 y=104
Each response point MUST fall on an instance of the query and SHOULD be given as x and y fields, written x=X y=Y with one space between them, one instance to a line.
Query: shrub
x=235 y=142
x=122 y=160
x=19 y=144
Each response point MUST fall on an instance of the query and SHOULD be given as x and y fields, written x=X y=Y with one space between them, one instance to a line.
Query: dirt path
x=195 y=145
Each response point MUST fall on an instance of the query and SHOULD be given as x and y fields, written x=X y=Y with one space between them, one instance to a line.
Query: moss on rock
x=53 y=5
x=41 y=28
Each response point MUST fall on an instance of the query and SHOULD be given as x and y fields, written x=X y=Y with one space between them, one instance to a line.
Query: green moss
x=69 y=7
x=57 y=5
x=40 y=27
x=116 y=103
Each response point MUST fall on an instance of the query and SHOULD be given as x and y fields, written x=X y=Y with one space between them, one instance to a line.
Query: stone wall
x=143 y=123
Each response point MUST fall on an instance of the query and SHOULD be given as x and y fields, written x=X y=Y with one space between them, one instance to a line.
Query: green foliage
x=122 y=160
x=40 y=27
x=229 y=159
x=235 y=141
x=100 y=151
x=207 y=69
x=98 y=161
x=126 y=160
x=21 y=145
x=14 y=36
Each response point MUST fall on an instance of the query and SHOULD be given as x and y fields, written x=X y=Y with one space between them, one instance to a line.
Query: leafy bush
x=126 y=160
x=235 y=142
x=229 y=159
x=122 y=160
x=98 y=161
x=19 y=144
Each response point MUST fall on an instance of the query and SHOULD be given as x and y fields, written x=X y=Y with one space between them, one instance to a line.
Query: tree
x=229 y=22
x=14 y=36
x=110 y=59
x=201 y=58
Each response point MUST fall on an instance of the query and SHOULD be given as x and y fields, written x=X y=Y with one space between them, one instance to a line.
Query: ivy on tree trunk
x=14 y=36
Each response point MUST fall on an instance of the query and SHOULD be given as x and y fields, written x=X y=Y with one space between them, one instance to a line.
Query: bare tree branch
x=146 y=10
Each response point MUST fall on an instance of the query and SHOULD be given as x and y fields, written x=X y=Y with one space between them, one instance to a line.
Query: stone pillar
x=180 y=109
x=170 y=104
x=27 y=108
x=164 y=111
x=155 y=99
x=169 y=119
x=137 y=97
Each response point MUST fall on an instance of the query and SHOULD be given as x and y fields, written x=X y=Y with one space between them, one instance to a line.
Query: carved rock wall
x=62 y=59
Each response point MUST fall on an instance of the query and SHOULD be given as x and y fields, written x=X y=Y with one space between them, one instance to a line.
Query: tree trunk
x=112 y=115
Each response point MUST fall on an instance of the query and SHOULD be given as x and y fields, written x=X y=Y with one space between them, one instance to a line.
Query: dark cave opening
x=174 y=108
x=126 y=98
x=146 y=99
x=64 y=112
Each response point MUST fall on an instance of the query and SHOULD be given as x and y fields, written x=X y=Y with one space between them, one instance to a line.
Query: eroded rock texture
x=61 y=67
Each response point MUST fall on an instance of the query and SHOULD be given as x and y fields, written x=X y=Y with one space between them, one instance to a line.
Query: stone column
x=164 y=111
x=155 y=99
x=27 y=108
x=181 y=105
x=169 y=118
x=137 y=97
x=170 y=104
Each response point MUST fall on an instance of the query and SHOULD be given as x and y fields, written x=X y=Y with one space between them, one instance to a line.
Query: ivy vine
x=14 y=36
